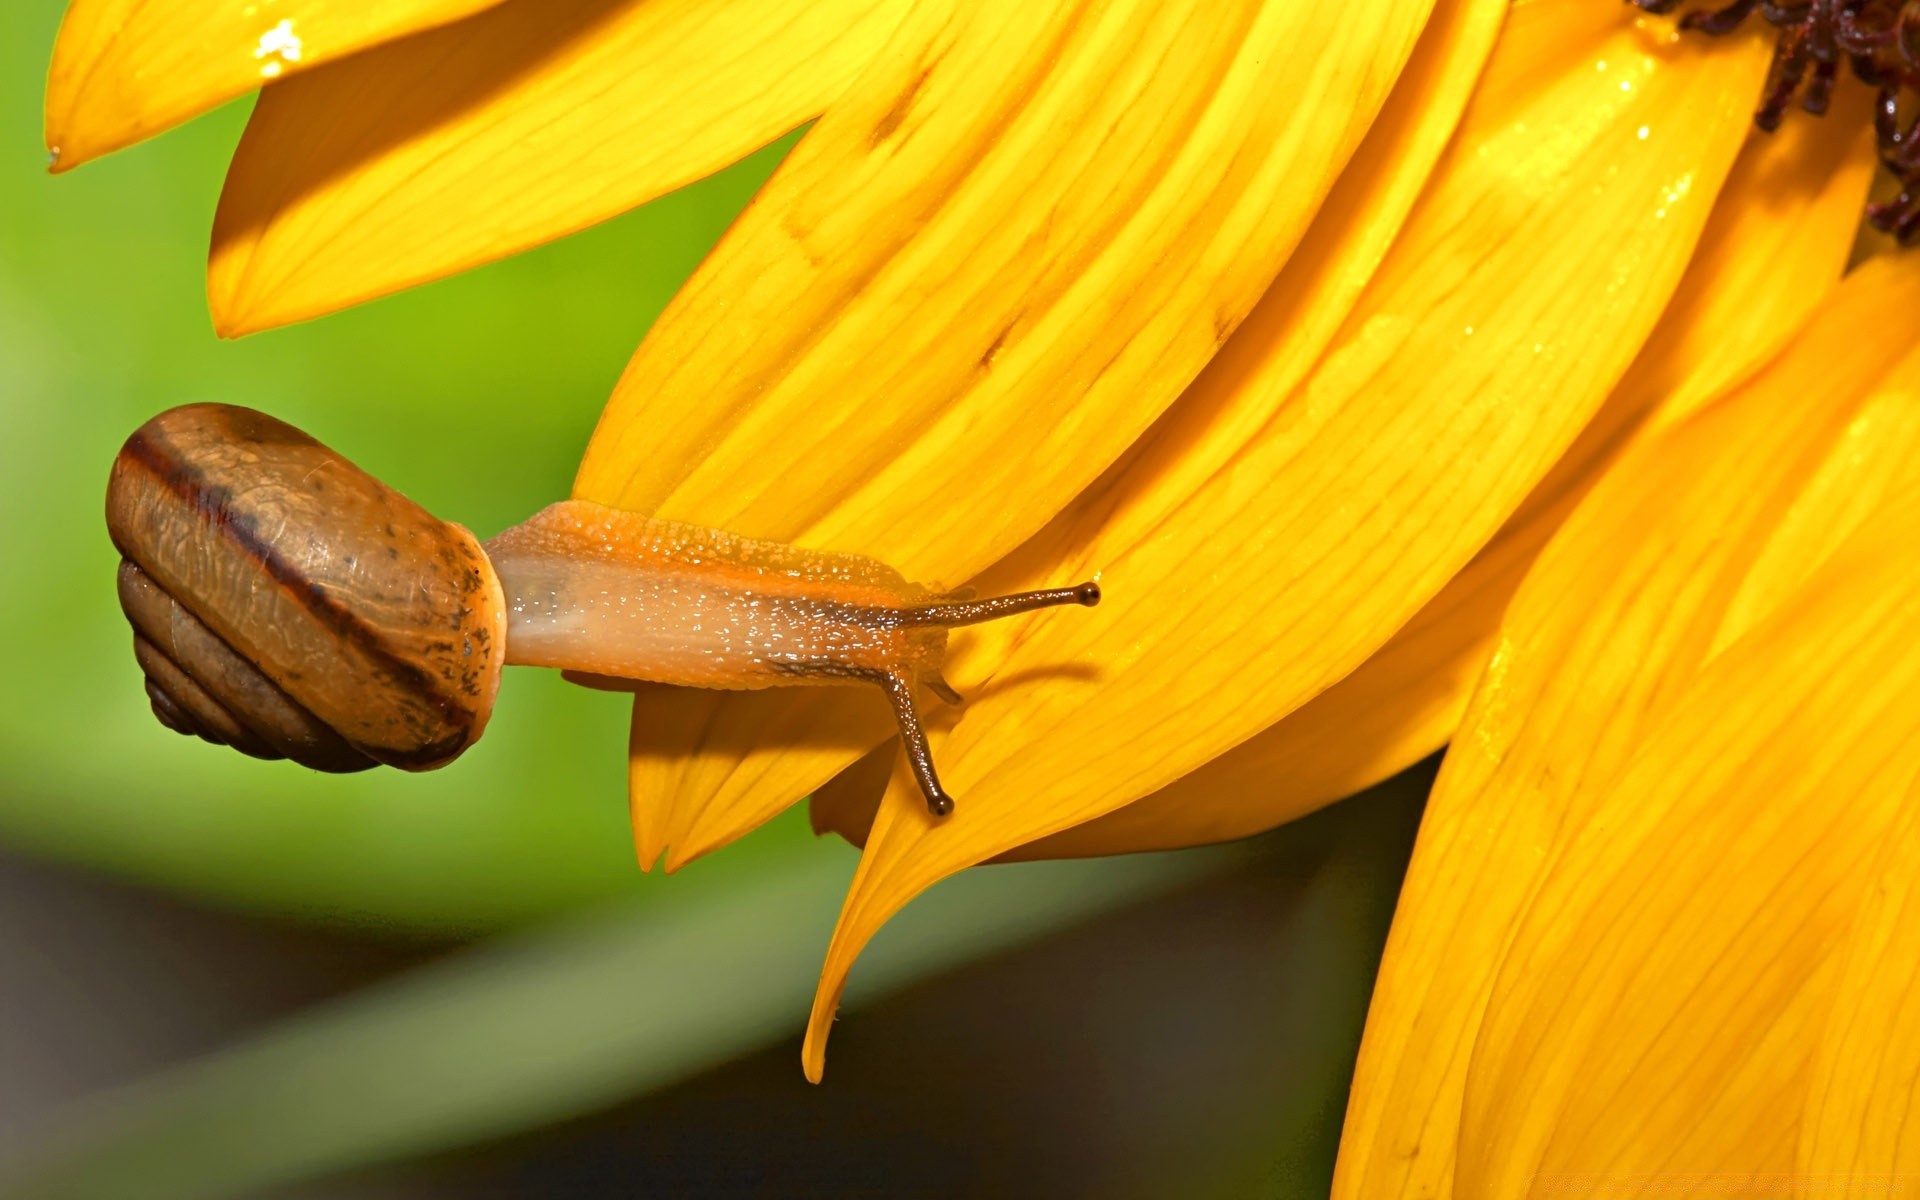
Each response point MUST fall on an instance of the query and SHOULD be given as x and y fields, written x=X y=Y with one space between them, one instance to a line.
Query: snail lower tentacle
x=289 y=605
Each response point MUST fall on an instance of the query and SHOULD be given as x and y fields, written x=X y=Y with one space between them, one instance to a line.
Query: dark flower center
x=1878 y=40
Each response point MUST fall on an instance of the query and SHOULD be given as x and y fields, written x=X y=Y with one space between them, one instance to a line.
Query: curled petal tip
x=813 y=1051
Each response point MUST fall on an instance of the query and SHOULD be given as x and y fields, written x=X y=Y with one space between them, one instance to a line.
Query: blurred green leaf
x=474 y=396
x=547 y=1026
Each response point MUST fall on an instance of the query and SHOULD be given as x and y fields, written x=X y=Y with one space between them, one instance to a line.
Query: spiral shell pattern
x=287 y=604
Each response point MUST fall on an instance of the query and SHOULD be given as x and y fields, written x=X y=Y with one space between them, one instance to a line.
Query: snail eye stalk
x=608 y=594
x=289 y=605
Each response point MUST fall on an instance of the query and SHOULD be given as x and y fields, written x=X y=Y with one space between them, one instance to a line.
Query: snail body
x=286 y=603
x=668 y=602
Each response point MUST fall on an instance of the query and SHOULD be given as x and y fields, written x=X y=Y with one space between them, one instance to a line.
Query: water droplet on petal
x=278 y=46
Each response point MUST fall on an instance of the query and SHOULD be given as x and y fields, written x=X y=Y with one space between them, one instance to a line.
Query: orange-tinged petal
x=847 y=803
x=1859 y=1121
x=1253 y=560
x=989 y=267
x=124 y=70
x=1286 y=332
x=1667 y=535
x=1873 y=459
x=1774 y=247
x=435 y=154
x=1631 y=1028
x=984 y=272
x=707 y=767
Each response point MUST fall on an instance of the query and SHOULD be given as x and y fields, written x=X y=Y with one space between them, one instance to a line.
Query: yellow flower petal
x=704 y=768
x=441 y=152
x=1774 y=247
x=1860 y=1121
x=1287 y=331
x=124 y=70
x=1633 y=1025
x=1011 y=249
x=847 y=803
x=1664 y=539
x=989 y=267
x=1254 y=558
x=1873 y=459
x=1312 y=296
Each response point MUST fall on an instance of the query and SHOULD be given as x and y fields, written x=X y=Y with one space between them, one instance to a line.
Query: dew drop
x=278 y=46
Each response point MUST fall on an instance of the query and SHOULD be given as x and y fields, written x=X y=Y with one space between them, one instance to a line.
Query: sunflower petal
x=1859 y=1120
x=1313 y=294
x=1666 y=537
x=1026 y=208
x=847 y=803
x=1633 y=1024
x=704 y=769
x=1302 y=538
x=1026 y=235
x=1287 y=330
x=432 y=155
x=124 y=70
x=1774 y=247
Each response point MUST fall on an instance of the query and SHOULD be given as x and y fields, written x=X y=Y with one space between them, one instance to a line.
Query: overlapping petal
x=124 y=70
x=847 y=803
x=1286 y=332
x=457 y=147
x=992 y=264
x=1312 y=296
x=1634 y=1026
x=981 y=275
x=1623 y=606
x=1859 y=1121
x=1266 y=549
x=1774 y=247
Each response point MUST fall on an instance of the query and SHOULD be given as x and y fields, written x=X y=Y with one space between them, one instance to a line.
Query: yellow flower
x=1304 y=327
x=1637 y=895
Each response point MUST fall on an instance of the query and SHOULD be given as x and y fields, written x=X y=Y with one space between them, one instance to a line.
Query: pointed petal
x=1632 y=1026
x=1859 y=1121
x=790 y=744
x=847 y=803
x=1665 y=536
x=1064 y=215
x=714 y=767
x=124 y=70
x=676 y=716
x=1025 y=207
x=436 y=154
x=1563 y=701
x=1300 y=537
x=1774 y=247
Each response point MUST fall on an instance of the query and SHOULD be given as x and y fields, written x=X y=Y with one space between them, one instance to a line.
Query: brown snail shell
x=288 y=604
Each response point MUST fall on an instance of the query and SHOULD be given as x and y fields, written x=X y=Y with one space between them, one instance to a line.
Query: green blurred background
x=248 y=975
x=474 y=396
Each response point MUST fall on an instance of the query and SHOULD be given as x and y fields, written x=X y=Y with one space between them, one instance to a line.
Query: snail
x=287 y=604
